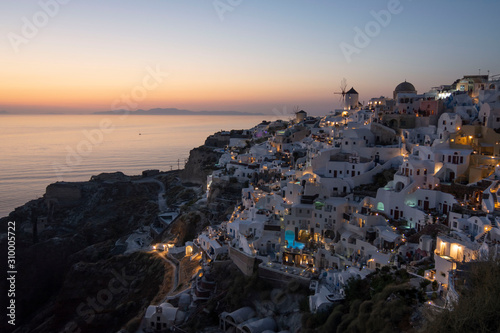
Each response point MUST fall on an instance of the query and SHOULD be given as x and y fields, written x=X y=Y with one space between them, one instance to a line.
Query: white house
x=448 y=123
x=455 y=163
x=163 y=317
x=208 y=241
x=448 y=252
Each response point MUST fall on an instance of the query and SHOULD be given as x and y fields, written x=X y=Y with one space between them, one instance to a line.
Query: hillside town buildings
x=410 y=182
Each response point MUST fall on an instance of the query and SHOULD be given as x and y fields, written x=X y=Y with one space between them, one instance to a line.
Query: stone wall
x=243 y=261
x=279 y=279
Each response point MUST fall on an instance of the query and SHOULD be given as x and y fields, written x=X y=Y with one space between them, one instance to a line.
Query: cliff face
x=103 y=296
x=70 y=276
x=63 y=194
x=201 y=163
x=72 y=255
x=218 y=140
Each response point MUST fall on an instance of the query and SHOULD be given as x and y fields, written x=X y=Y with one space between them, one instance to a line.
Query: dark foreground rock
x=69 y=255
x=104 y=296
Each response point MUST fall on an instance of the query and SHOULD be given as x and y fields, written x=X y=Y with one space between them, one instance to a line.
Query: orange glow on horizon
x=100 y=97
x=97 y=86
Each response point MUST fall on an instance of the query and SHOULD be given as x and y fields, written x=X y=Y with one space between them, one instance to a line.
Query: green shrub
x=424 y=283
x=353 y=309
x=366 y=307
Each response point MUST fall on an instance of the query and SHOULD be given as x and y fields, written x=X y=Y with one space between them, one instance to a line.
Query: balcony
x=308 y=199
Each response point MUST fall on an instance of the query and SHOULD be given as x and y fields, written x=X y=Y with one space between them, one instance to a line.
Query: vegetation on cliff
x=478 y=306
x=383 y=302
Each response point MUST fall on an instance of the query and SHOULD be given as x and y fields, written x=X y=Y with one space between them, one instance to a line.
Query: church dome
x=404 y=87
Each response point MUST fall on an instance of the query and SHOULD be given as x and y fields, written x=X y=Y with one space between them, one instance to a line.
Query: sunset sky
x=251 y=55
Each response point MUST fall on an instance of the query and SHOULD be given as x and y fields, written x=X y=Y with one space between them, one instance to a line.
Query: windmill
x=343 y=87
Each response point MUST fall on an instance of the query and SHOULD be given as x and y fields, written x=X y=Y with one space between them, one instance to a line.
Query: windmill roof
x=352 y=91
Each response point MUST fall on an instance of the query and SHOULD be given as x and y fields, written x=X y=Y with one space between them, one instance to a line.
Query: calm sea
x=37 y=150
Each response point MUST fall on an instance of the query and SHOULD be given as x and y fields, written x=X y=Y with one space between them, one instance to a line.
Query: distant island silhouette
x=179 y=112
x=4 y=112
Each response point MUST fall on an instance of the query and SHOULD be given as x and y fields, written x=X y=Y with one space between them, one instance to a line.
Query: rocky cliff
x=201 y=163
x=58 y=266
x=72 y=276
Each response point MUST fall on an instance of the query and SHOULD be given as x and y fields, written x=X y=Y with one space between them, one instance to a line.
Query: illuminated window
x=380 y=206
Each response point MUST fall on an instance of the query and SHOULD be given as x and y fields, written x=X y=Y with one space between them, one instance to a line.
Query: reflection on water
x=41 y=149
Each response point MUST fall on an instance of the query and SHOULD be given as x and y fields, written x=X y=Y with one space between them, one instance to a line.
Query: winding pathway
x=162 y=205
